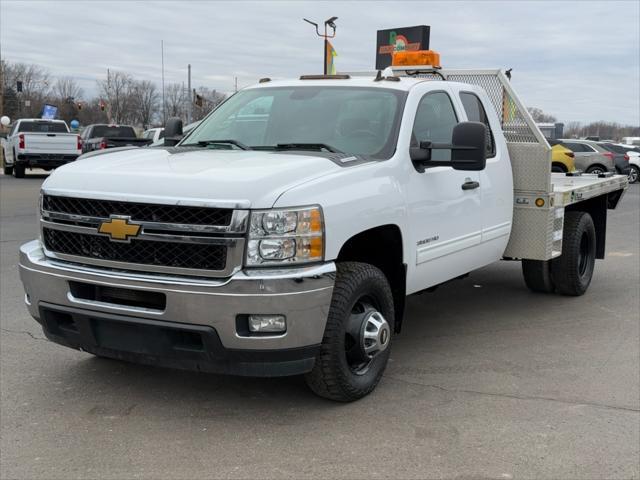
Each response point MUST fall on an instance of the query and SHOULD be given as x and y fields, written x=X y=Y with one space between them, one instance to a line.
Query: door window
x=574 y=147
x=435 y=119
x=476 y=113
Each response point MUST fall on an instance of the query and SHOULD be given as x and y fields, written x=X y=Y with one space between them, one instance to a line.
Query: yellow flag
x=331 y=53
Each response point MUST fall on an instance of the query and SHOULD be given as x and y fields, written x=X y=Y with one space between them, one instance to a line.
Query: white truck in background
x=39 y=143
x=286 y=243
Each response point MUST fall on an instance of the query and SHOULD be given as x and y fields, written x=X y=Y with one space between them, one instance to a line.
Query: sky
x=577 y=60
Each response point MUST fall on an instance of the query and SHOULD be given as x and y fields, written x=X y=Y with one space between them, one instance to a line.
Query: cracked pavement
x=487 y=380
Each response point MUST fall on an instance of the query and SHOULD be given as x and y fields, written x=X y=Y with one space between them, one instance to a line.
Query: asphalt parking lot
x=487 y=380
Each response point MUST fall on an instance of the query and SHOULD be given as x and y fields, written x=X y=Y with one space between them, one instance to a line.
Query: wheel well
x=559 y=165
x=597 y=208
x=598 y=165
x=381 y=247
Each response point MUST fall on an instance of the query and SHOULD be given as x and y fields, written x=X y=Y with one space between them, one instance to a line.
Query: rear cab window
x=113 y=131
x=42 y=127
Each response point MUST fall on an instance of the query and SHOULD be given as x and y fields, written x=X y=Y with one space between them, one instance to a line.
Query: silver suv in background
x=589 y=156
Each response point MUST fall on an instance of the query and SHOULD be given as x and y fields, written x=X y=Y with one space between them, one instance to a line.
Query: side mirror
x=470 y=146
x=172 y=132
x=468 y=149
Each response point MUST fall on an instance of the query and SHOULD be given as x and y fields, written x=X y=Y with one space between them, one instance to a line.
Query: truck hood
x=222 y=178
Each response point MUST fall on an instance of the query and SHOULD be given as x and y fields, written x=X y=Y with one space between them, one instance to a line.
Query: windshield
x=43 y=127
x=353 y=120
x=108 y=131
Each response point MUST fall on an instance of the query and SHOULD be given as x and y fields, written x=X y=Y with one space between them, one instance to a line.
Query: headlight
x=293 y=235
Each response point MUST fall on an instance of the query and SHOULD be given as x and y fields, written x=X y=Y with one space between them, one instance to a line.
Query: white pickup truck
x=285 y=240
x=39 y=143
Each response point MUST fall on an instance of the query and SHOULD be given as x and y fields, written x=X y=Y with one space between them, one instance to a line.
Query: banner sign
x=398 y=39
x=49 y=112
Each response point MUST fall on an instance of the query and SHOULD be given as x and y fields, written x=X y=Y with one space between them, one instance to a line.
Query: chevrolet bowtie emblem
x=119 y=228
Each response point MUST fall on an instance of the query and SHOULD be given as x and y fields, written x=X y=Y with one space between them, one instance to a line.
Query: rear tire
x=336 y=375
x=6 y=169
x=572 y=271
x=558 y=168
x=537 y=275
x=634 y=174
x=597 y=169
x=18 y=170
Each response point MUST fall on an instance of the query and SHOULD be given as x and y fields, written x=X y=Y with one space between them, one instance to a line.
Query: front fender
x=353 y=200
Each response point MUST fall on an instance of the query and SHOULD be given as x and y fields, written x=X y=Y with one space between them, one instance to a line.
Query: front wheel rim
x=367 y=336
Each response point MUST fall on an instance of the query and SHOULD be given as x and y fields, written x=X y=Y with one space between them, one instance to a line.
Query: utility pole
x=327 y=23
x=1 y=88
x=189 y=96
x=235 y=80
x=164 y=105
x=109 y=98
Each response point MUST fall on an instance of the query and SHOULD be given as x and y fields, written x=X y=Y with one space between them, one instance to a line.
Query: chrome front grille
x=169 y=254
x=172 y=239
x=147 y=212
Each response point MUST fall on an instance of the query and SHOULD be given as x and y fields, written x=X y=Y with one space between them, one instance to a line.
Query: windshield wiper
x=206 y=143
x=307 y=146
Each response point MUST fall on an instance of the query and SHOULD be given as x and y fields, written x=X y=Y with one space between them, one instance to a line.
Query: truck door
x=496 y=180
x=444 y=205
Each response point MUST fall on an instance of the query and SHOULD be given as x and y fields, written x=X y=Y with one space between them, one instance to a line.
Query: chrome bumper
x=303 y=295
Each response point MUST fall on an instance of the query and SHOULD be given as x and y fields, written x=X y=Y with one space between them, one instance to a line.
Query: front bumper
x=207 y=313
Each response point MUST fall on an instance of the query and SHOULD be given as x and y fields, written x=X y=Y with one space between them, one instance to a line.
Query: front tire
x=572 y=271
x=348 y=368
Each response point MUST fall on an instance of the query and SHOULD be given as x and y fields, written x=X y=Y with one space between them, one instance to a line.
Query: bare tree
x=604 y=130
x=145 y=100
x=115 y=90
x=35 y=82
x=67 y=88
x=67 y=95
x=205 y=101
x=539 y=116
x=175 y=97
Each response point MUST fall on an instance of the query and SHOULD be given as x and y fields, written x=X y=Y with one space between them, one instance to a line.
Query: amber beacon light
x=416 y=57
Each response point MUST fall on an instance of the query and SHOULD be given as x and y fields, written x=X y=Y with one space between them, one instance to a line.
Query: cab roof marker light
x=325 y=77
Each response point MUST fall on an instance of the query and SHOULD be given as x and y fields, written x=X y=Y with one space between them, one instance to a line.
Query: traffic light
x=102 y=105
x=19 y=86
x=79 y=105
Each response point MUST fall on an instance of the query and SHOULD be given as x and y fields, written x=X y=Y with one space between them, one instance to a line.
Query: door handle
x=470 y=185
